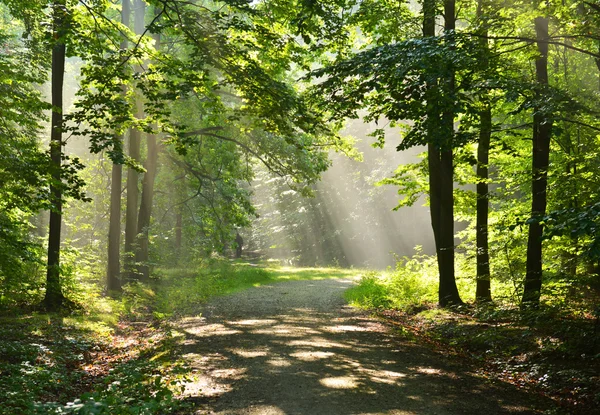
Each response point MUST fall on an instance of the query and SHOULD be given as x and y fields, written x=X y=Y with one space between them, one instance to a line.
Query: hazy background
x=350 y=221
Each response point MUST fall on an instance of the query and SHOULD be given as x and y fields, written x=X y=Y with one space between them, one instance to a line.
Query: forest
x=157 y=155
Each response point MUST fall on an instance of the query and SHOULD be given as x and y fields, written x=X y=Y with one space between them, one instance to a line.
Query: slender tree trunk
x=448 y=291
x=142 y=254
x=54 y=296
x=483 y=292
x=178 y=228
x=146 y=208
x=131 y=218
x=433 y=153
x=542 y=127
x=113 y=277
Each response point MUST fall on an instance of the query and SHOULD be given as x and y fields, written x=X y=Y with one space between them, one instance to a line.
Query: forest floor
x=296 y=348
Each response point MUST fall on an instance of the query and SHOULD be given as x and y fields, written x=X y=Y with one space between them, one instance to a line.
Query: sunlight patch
x=315 y=342
x=341 y=329
x=383 y=376
x=212 y=330
x=279 y=362
x=263 y=322
x=429 y=371
x=311 y=356
x=249 y=353
x=278 y=332
x=340 y=382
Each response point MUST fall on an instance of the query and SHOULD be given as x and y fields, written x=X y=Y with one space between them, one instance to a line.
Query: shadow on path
x=296 y=349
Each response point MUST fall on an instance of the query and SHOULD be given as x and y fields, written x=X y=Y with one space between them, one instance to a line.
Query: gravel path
x=295 y=348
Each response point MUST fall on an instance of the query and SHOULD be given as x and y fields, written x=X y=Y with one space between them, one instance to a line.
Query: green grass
x=411 y=283
x=183 y=291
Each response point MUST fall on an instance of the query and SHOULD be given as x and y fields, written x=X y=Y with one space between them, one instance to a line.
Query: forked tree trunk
x=54 y=297
x=542 y=127
x=113 y=278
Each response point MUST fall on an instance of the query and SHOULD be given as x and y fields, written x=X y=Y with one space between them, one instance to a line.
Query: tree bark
x=542 y=127
x=483 y=292
x=113 y=277
x=443 y=163
x=131 y=218
x=54 y=297
x=142 y=254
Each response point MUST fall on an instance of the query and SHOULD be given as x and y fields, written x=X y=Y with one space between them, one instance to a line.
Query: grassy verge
x=554 y=350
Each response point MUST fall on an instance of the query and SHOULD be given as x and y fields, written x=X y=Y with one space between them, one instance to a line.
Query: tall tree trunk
x=146 y=207
x=441 y=170
x=542 y=127
x=54 y=296
x=142 y=257
x=131 y=218
x=483 y=292
x=448 y=291
x=113 y=278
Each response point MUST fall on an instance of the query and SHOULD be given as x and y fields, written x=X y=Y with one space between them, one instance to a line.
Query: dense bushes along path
x=295 y=348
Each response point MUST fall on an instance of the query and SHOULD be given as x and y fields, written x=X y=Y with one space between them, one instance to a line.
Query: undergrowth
x=553 y=350
x=116 y=355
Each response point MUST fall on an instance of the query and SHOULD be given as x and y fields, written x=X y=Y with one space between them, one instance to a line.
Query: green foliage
x=137 y=387
x=59 y=364
x=181 y=291
x=412 y=283
x=371 y=293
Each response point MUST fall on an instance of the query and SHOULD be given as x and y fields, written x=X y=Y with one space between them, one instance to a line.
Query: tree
x=132 y=205
x=145 y=212
x=113 y=280
x=413 y=79
x=542 y=128
x=60 y=15
x=483 y=290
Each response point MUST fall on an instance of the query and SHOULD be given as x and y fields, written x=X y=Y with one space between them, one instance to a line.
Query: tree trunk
x=542 y=127
x=131 y=218
x=146 y=208
x=54 y=296
x=179 y=229
x=142 y=256
x=113 y=278
x=483 y=292
x=442 y=164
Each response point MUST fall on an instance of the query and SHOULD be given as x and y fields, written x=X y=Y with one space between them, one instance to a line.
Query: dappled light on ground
x=309 y=354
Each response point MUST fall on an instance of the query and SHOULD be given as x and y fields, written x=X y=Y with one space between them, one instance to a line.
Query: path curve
x=296 y=348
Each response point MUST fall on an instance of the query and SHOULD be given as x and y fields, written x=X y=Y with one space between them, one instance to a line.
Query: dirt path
x=295 y=348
